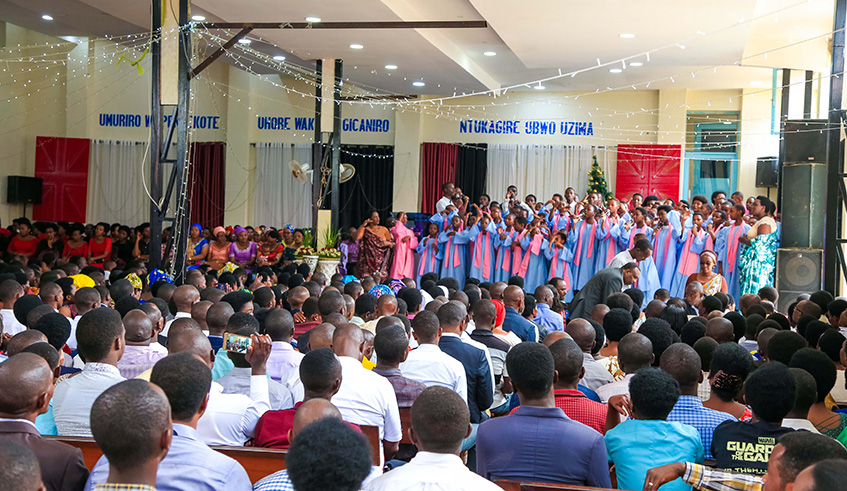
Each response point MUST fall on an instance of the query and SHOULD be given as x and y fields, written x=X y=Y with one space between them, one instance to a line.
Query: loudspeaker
x=797 y=271
x=767 y=172
x=805 y=140
x=803 y=205
x=23 y=189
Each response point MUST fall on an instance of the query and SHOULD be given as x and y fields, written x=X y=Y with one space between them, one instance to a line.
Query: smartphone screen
x=236 y=343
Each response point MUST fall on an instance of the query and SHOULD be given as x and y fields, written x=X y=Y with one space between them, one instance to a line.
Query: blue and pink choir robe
x=404 y=252
x=560 y=262
x=689 y=260
x=455 y=254
x=710 y=244
x=442 y=220
x=585 y=242
x=665 y=246
x=533 y=267
x=626 y=239
x=503 y=265
x=483 y=257
x=729 y=251
x=516 y=252
x=430 y=261
x=609 y=247
x=559 y=222
x=648 y=281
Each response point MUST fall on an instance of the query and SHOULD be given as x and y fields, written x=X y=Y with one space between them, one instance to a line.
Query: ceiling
x=723 y=44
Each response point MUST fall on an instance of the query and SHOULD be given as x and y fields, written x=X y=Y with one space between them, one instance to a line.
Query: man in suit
x=600 y=286
x=26 y=387
x=513 y=300
x=453 y=318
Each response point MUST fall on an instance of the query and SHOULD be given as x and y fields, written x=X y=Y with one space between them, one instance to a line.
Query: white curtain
x=278 y=198
x=117 y=173
x=543 y=170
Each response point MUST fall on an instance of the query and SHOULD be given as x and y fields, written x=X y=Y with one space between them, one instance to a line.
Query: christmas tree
x=597 y=181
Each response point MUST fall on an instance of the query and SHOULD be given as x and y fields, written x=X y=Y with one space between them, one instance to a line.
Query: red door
x=62 y=163
x=648 y=169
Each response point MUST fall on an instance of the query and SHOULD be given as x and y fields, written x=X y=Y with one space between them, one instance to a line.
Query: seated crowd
x=462 y=388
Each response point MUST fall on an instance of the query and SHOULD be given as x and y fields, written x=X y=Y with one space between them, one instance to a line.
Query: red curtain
x=648 y=169
x=207 y=181
x=438 y=166
x=62 y=164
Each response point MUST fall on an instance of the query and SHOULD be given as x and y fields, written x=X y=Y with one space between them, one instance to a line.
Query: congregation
x=635 y=344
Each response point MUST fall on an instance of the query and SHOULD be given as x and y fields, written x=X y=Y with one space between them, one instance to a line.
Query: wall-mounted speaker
x=797 y=271
x=805 y=140
x=767 y=172
x=23 y=189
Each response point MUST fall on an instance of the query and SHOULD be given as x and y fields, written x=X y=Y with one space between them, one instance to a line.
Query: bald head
x=720 y=329
x=139 y=328
x=192 y=341
x=544 y=295
x=598 y=313
x=321 y=336
x=311 y=411
x=513 y=297
x=297 y=296
x=217 y=317
x=199 y=311
x=555 y=336
x=23 y=339
x=185 y=297
x=26 y=386
x=635 y=351
x=496 y=290
x=386 y=305
x=654 y=308
x=182 y=324
x=582 y=332
x=348 y=340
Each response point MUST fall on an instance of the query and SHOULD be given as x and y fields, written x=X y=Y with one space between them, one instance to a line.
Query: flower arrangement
x=308 y=238
x=330 y=237
x=329 y=253
x=305 y=251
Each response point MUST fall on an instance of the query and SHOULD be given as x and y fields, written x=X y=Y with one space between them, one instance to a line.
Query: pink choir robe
x=404 y=252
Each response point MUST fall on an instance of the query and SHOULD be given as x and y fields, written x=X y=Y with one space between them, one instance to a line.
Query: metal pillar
x=834 y=260
x=181 y=217
x=317 y=150
x=156 y=137
x=336 y=147
x=807 y=95
x=783 y=115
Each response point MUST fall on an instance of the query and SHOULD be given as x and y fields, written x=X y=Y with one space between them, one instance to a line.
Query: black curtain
x=471 y=170
x=372 y=188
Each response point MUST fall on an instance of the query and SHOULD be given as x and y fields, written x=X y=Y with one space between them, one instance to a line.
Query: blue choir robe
x=729 y=252
x=560 y=264
x=516 y=252
x=648 y=281
x=483 y=248
x=626 y=239
x=536 y=269
x=585 y=243
x=503 y=265
x=688 y=261
x=430 y=261
x=610 y=243
x=560 y=222
x=665 y=246
x=442 y=220
x=454 y=247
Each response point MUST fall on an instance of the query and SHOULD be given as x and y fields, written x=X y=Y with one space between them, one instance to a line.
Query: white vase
x=328 y=266
x=312 y=261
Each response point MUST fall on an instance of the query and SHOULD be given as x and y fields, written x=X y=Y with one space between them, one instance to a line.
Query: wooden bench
x=536 y=486
x=406 y=423
x=258 y=462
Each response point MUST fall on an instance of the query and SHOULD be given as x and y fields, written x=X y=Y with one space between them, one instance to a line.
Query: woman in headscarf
x=290 y=249
x=375 y=244
x=758 y=261
x=242 y=252
x=219 y=249
x=712 y=282
x=198 y=247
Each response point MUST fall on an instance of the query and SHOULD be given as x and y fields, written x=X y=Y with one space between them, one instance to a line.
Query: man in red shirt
x=568 y=359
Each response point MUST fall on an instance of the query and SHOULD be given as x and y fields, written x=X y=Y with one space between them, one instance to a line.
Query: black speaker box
x=803 y=205
x=23 y=189
x=805 y=140
x=767 y=172
x=797 y=271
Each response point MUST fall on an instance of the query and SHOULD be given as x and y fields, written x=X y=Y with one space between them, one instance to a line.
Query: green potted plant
x=329 y=256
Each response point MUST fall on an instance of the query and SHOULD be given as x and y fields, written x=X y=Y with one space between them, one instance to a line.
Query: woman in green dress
x=758 y=260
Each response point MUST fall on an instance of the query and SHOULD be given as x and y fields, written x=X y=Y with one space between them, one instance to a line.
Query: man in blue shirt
x=513 y=300
x=546 y=317
x=538 y=442
x=190 y=463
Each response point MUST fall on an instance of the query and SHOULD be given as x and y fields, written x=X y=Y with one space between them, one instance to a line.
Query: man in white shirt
x=279 y=325
x=100 y=336
x=365 y=398
x=583 y=334
x=319 y=337
x=440 y=421
x=641 y=250
x=385 y=305
x=185 y=296
x=85 y=299
x=427 y=363
x=10 y=292
x=635 y=351
x=447 y=190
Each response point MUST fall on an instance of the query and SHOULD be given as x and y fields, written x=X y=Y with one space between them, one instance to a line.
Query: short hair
x=264 y=296
x=331 y=302
x=279 y=324
x=829 y=474
x=318 y=369
x=96 y=332
x=328 y=454
x=218 y=315
x=9 y=289
x=44 y=350
x=770 y=392
x=635 y=350
x=637 y=297
x=822 y=299
x=412 y=296
x=735 y=362
x=814 y=331
x=185 y=380
x=780 y=319
x=127 y=422
x=426 y=325
x=724 y=298
x=643 y=244
x=365 y=304
x=126 y=304
x=531 y=367
x=243 y=324
x=830 y=343
x=682 y=363
x=705 y=347
x=807 y=391
x=711 y=303
x=675 y=317
x=783 y=345
x=37 y=313
x=23 y=306
x=238 y=299
x=440 y=420
x=619 y=300
x=818 y=365
x=654 y=393
x=691 y=332
x=516 y=280
x=567 y=358
x=836 y=307
x=660 y=334
x=391 y=343
x=768 y=293
x=56 y=327
x=20 y=469
x=739 y=324
x=803 y=449
x=120 y=289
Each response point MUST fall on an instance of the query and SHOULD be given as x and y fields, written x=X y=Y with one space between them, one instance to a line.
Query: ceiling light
x=313 y=19
x=539 y=87
x=627 y=35
x=490 y=53
x=47 y=17
x=279 y=58
x=636 y=63
x=198 y=18
x=615 y=70
x=390 y=67
x=418 y=83
x=356 y=46
x=244 y=41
